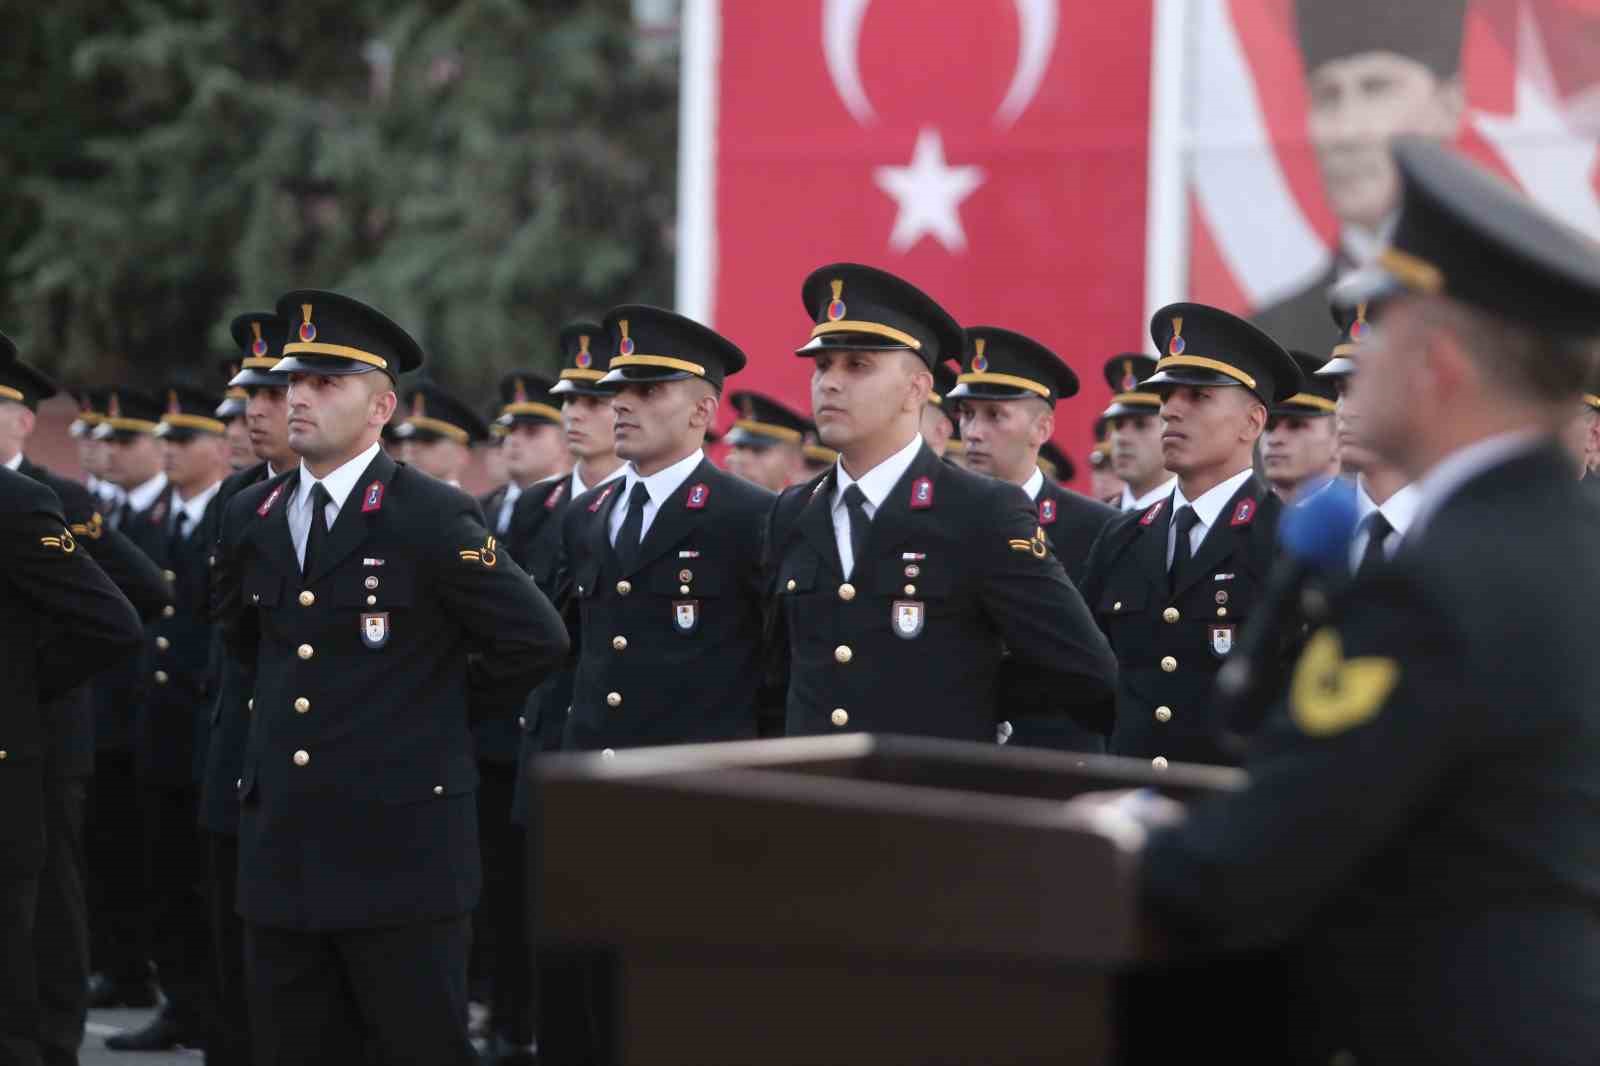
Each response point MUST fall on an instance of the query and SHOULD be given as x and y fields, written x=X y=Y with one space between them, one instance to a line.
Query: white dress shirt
x=1207 y=509
x=876 y=484
x=1130 y=502
x=195 y=509
x=579 y=488
x=1461 y=466
x=340 y=483
x=660 y=485
x=14 y=463
x=1034 y=484
x=142 y=497
x=502 y=521
x=1399 y=510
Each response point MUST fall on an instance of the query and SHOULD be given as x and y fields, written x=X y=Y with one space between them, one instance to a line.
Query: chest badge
x=907 y=617
x=1222 y=639
x=375 y=629
x=686 y=616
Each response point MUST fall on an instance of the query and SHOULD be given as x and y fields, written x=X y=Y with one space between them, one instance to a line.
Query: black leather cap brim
x=644 y=375
x=573 y=387
x=1338 y=367
x=851 y=342
x=258 y=379
x=1133 y=410
x=325 y=366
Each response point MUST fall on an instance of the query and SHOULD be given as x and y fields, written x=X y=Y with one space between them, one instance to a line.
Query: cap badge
x=1130 y=380
x=583 y=359
x=836 y=306
x=519 y=392
x=419 y=406
x=173 y=407
x=308 y=332
x=1176 y=345
x=625 y=347
x=1359 y=328
x=258 y=347
x=113 y=407
x=980 y=362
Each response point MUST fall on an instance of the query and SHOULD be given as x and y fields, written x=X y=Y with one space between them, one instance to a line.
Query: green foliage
x=482 y=170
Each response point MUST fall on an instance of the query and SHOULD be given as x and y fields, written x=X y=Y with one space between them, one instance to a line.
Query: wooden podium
x=851 y=899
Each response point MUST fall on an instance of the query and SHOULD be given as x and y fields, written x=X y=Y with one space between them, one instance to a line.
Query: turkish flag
x=992 y=152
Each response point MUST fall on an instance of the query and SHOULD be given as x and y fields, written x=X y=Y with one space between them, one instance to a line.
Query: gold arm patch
x=1038 y=547
x=485 y=555
x=63 y=544
x=91 y=529
x=1331 y=694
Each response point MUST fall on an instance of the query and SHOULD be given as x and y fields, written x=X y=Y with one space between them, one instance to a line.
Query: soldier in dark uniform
x=1581 y=434
x=768 y=441
x=663 y=565
x=1301 y=446
x=1104 y=484
x=941 y=425
x=114 y=836
x=1133 y=433
x=1172 y=584
x=61 y=923
x=377 y=616
x=1423 y=820
x=819 y=457
x=91 y=401
x=173 y=718
x=260 y=336
x=901 y=581
x=1056 y=464
x=231 y=412
x=60 y=617
x=437 y=432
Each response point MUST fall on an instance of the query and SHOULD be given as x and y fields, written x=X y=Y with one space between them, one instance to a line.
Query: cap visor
x=849 y=342
x=1337 y=367
x=570 y=387
x=323 y=366
x=1367 y=285
x=267 y=379
x=641 y=375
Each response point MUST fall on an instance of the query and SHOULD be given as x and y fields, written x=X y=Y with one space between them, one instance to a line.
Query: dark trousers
x=318 y=997
x=61 y=923
x=118 y=862
x=179 y=911
x=22 y=848
x=505 y=905
x=231 y=1043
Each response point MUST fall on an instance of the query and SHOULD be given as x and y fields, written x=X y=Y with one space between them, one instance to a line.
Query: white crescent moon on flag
x=841 y=50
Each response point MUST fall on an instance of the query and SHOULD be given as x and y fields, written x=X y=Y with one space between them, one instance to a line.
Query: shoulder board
x=1153 y=513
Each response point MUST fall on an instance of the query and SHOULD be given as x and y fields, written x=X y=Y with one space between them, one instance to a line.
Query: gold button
x=1170 y=615
x=168 y=611
x=2 y=755
x=255 y=597
x=371 y=582
x=683 y=590
x=840 y=716
x=302 y=757
x=608 y=753
x=169 y=575
x=522 y=721
x=1169 y=664
x=1222 y=612
x=305 y=651
x=1163 y=714
x=1117 y=606
x=790 y=585
x=162 y=643
x=843 y=653
x=1159 y=762
x=619 y=643
x=438 y=790
x=685 y=575
x=371 y=600
x=624 y=587
x=847 y=591
x=250 y=704
x=161 y=677
x=302 y=705
x=238 y=782
x=613 y=699
x=307 y=598
x=911 y=590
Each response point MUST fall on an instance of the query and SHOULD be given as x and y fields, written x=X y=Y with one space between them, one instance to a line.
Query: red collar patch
x=554 y=498
x=1244 y=513
x=699 y=493
x=158 y=513
x=599 y=501
x=1154 y=513
x=1047 y=512
x=922 y=494
x=372 y=499
x=272 y=498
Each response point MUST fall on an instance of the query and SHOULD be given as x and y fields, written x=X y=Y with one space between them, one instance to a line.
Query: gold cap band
x=1305 y=399
x=1414 y=273
x=1202 y=363
x=198 y=422
x=767 y=429
x=1145 y=399
x=579 y=374
x=439 y=426
x=876 y=329
x=819 y=453
x=659 y=360
x=258 y=362
x=130 y=425
x=529 y=407
x=236 y=394
x=1004 y=379
x=8 y=393
x=1592 y=400
x=337 y=350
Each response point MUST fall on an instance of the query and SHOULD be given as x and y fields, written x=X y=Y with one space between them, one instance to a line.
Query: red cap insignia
x=1154 y=513
x=698 y=495
x=308 y=331
x=980 y=362
x=624 y=346
x=922 y=494
x=1244 y=514
x=372 y=499
x=258 y=347
x=1176 y=345
x=836 y=306
x=583 y=359
x=1130 y=380
x=554 y=498
x=272 y=498
x=1047 y=512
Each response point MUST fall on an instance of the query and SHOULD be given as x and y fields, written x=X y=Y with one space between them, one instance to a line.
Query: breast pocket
x=262 y=589
x=695 y=588
x=377 y=588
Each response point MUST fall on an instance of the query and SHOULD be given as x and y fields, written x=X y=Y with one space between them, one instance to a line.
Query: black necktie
x=1184 y=521
x=317 y=534
x=855 y=503
x=180 y=528
x=632 y=527
x=1373 y=555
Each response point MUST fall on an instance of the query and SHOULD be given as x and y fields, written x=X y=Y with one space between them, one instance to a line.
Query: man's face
x=330 y=414
x=195 y=462
x=774 y=467
x=132 y=459
x=441 y=457
x=1360 y=102
x=1299 y=447
x=1581 y=437
x=16 y=422
x=658 y=420
x=494 y=463
x=240 y=454
x=1003 y=436
x=266 y=416
x=1208 y=427
x=534 y=450
x=1354 y=454
x=1136 y=448
x=857 y=396
x=1388 y=404
x=92 y=455
x=589 y=426
x=936 y=428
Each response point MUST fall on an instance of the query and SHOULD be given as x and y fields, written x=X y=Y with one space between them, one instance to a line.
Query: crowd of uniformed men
x=287 y=793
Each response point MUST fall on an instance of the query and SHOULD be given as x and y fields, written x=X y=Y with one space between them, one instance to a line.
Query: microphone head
x=1316 y=529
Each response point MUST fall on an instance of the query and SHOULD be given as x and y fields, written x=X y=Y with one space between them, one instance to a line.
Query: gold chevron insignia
x=1038 y=547
x=1331 y=694
x=63 y=544
x=91 y=529
x=485 y=555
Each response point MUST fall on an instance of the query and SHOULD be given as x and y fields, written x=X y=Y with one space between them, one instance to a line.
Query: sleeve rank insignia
x=63 y=544
x=1038 y=547
x=484 y=555
x=91 y=529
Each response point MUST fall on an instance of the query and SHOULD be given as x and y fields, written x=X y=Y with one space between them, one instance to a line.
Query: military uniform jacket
x=1071 y=522
x=1422 y=809
x=956 y=572
x=1170 y=646
x=59 y=616
x=71 y=719
x=356 y=803
x=536 y=542
x=670 y=649
x=121 y=691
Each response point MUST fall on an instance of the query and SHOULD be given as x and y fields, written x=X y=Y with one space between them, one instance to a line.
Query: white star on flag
x=1553 y=162
x=929 y=194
